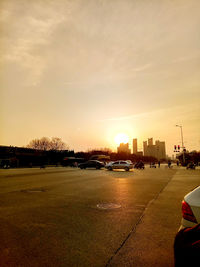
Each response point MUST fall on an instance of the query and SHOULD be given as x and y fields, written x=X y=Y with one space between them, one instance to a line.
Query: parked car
x=5 y=163
x=191 y=165
x=139 y=165
x=187 y=240
x=91 y=164
x=191 y=209
x=120 y=164
x=129 y=161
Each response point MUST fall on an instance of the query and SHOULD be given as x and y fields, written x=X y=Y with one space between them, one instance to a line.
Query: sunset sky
x=86 y=70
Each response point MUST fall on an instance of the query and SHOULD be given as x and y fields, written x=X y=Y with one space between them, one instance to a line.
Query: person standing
x=169 y=163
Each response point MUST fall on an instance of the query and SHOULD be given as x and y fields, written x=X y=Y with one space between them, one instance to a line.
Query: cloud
x=26 y=36
x=194 y=55
x=142 y=68
x=182 y=112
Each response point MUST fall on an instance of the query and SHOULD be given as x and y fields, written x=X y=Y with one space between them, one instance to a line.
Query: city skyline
x=157 y=149
x=86 y=71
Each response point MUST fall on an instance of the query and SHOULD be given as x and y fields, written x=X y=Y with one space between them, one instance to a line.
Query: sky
x=86 y=70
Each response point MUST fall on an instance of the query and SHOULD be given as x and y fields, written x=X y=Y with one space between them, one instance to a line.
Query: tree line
x=46 y=144
x=56 y=144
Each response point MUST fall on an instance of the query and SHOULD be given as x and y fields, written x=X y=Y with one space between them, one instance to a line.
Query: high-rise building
x=145 y=148
x=135 y=146
x=150 y=141
x=123 y=148
x=158 y=150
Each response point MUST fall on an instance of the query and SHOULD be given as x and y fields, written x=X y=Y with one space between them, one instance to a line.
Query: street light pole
x=180 y=126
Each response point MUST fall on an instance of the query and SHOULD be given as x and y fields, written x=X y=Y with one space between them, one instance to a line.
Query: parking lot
x=72 y=217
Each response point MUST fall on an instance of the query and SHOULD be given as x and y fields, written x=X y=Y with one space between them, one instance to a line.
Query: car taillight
x=187 y=212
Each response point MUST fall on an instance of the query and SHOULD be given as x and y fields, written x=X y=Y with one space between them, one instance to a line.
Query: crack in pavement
x=133 y=230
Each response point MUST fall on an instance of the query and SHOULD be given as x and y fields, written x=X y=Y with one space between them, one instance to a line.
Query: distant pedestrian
x=169 y=164
x=158 y=164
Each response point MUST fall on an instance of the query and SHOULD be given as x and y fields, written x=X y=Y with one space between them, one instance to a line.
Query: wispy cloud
x=142 y=68
x=31 y=33
x=195 y=55
x=190 y=111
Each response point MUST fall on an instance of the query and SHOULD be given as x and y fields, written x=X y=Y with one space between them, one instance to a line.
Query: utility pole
x=180 y=126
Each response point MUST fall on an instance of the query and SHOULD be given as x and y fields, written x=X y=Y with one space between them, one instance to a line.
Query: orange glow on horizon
x=121 y=138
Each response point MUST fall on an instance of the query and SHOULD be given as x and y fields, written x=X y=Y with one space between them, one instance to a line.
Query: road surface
x=72 y=217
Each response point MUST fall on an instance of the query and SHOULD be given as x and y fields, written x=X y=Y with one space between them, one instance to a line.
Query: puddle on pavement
x=108 y=206
x=38 y=190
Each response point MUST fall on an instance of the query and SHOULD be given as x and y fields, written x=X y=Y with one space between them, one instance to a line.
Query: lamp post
x=180 y=126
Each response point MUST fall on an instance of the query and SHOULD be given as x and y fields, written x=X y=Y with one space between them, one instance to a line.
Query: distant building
x=158 y=150
x=150 y=141
x=145 y=148
x=123 y=148
x=135 y=146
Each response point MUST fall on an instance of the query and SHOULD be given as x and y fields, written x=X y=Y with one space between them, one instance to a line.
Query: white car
x=191 y=209
x=120 y=164
x=187 y=240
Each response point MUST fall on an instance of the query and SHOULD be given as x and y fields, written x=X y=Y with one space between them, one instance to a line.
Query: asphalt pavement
x=72 y=217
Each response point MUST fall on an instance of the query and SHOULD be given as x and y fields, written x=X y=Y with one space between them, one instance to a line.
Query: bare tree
x=57 y=144
x=46 y=144
x=41 y=144
x=35 y=144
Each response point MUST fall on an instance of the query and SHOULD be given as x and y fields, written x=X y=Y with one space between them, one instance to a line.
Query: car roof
x=120 y=160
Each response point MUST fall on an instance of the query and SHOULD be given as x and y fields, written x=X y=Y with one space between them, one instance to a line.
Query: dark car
x=139 y=165
x=91 y=164
x=5 y=163
x=191 y=165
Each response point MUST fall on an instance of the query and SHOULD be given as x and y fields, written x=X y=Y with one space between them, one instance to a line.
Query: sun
x=121 y=138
